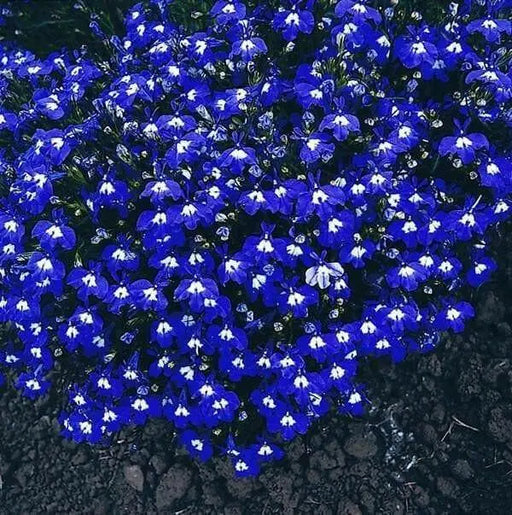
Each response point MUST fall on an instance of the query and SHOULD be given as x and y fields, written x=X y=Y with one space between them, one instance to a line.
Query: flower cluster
x=219 y=215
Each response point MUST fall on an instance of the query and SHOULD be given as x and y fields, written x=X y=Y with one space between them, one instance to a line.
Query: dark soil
x=437 y=439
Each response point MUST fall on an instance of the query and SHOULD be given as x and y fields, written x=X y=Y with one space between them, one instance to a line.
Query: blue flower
x=491 y=29
x=294 y=21
x=143 y=407
x=51 y=235
x=480 y=271
x=408 y=276
x=341 y=125
x=495 y=172
x=464 y=145
x=53 y=143
x=118 y=296
x=416 y=49
x=357 y=252
x=32 y=384
x=316 y=147
x=237 y=158
x=246 y=45
x=178 y=411
x=120 y=257
x=322 y=272
x=246 y=463
x=8 y=120
x=312 y=88
x=358 y=11
x=288 y=423
x=226 y=11
x=49 y=104
x=88 y=281
x=148 y=296
x=196 y=445
x=319 y=199
x=197 y=292
x=159 y=190
x=267 y=451
x=454 y=316
x=297 y=299
x=186 y=149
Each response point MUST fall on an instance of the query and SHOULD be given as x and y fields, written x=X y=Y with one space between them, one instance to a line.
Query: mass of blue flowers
x=214 y=217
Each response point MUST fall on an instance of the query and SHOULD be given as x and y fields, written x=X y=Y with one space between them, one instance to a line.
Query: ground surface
x=438 y=439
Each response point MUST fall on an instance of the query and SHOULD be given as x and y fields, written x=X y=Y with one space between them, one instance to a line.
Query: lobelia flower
x=118 y=296
x=338 y=229
x=495 y=171
x=33 y=191
x=148 y=296
x=454 y=316
x=294 y=21
x=319 y=199
x=454 y=51
x=51 y=235
x=297 y=299
x=161 y=189
x=44 y=267
x=32 y=384
x=8 y=120
x=267 y=451
x=11 y=227
x=357 y=252
x=359 y=11
x=489 y=74
x=407 y=276
x=105 y=384
x=49 y=104
x=52 y=144
x=88 y=281
x=316 y=147
x=196 y=446
x=196 y=291
x=111 y=192
x=463 y=145
x=169 y=127
x=491 y=29
x=186 y=149
x=245 y=43
x=312 y=87
x=142 y=407
x=237 y=158
x=287 y=423
x=448 y=268
x=245 y=463
x=286 y=194
x=319 y=346
x=234 y=269
x=226 y=11
x=321 y=273
x=255 y=200
x=340 y=123
x=417 y=48
x=120 y=257
x=264 y=247
x=114 y=417
x=481 y=270
x=468 y=221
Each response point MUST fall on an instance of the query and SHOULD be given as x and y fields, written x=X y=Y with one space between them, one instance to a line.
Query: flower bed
x=216 y=217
